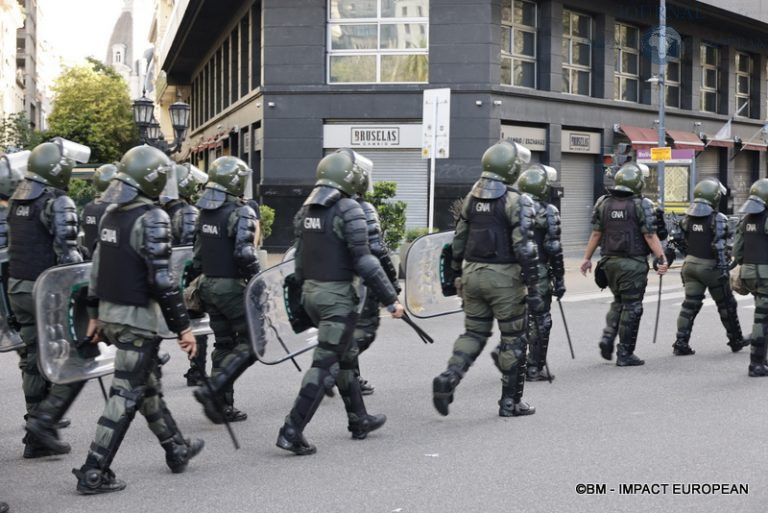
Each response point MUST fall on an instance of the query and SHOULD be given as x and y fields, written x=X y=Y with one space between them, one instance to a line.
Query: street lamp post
x=149 y=129
x=662 y=94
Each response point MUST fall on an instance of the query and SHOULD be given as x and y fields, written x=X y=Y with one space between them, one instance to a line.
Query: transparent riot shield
x=424 y=265
x=9 y=334
x=181 y=261
x=269 y=324
x=62 y=319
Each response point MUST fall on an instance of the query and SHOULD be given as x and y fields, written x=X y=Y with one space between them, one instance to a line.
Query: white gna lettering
x=483 y=207
x=108 y=235
x=312 y=223
x=23 y=211
x=697 y=227
x=210 y=229
x=617 y=214
x=752 y=227
x=90 y=219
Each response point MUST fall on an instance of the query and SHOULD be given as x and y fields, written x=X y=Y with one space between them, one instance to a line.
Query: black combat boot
x=360 y=421
x=179 y=450
x=681 y=346
x=4 y=507
x=627 y=359
x=194 y=377
x=197 y=365
x=511 y=404
x=443 y=387
x=42 y=427
x=538 y=373
x=94 y=481
x=737 y=344
x=212 y=404
x=758 y=367
x=34 y=449
x=292 y=439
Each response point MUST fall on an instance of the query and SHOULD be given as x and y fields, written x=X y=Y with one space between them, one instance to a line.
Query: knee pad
x=365 y=341
x=133 y=399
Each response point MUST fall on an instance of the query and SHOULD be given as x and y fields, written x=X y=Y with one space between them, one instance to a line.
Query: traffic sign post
x=436 y=123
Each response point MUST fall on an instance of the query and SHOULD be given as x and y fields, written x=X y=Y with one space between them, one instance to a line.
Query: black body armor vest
x=92 y=214
x=3 y=227
x=217 y=249
x=324 y=256
x=489 y=240
x=622 y=236
x=699 y=236
x=31 y=251
x=122 y=273
x=755 y=239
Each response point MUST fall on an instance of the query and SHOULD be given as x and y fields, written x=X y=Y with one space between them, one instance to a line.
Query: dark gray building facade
x=280 y=83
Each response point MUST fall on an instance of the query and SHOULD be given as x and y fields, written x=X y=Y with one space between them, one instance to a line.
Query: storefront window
x=378 y=41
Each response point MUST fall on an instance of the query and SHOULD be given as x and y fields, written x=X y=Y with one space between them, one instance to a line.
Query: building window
x=743 y=84
x=375 y=41
x=518 y=43
x=710 y=77
x=627 y=65
x=577 y=53
x=672 y=78
x=118 y=57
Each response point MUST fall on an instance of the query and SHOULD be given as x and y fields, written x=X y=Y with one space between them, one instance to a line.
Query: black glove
x=558 y=289
x=657 y=261
x=13 y=323
x=86 y=349
x=661 y=225
x=670 y=254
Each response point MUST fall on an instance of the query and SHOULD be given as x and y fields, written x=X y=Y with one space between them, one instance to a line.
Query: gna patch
x=210 y=229
x=90 y=220
x=751 y=227
x=618 y=214
x=483 y=207
x=313 y=224
x=23 y=211
x=697 y=227
x=108 y=236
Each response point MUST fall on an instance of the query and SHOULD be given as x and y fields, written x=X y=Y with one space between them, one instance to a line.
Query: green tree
x=391 y=213
x=93 y=107
x=267 y=215
x=16 y=133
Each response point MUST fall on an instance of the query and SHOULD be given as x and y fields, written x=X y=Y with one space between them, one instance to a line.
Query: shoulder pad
x=188 y=209
x=367 y=207
x=524 y=200
x=156 y=216
x=324 y=196
x=349 y=205
x=646 y=203
x=63 y=203
x=699 y=209
x=211 y=199
x=552 y=210
x=752 y=206
x=245 y=211
x=28 y=190
x=485 y=188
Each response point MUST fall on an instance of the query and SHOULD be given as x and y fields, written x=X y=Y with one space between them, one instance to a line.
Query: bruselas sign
x=402 y=135
x=375 y=136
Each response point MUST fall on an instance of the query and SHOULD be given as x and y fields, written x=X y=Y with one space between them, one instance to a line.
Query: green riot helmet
x=536 y=180
x=504 y=160
x=12 y=169
x=229 y=175
x=143 y=169
x=190 y=179
x=102 y=176
x=338 y=170
x=630 y=178
x=363 y=168
x=48 y=166
x=709 y=191
x=758 y=198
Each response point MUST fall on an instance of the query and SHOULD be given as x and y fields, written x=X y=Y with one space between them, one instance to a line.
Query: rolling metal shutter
x=576 y=207
x=708 y=165
x=742 y=178
x=410 y=172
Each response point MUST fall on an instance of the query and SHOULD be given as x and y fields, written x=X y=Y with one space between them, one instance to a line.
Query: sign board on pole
x=663 y=153
x=436 y=123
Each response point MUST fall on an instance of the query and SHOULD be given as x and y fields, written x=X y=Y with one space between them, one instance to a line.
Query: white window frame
x=379 y=52
x=509 y=53
x=705 y=89
x=620 y=74
x=569 y=66
x=674 y=83
x=748 y=74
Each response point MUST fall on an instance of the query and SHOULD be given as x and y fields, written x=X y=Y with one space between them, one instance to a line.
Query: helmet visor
x=364 y=166
x=551 y=173
x=196 y=174
x=72 y=150
x=17 y=162
x=171 y=190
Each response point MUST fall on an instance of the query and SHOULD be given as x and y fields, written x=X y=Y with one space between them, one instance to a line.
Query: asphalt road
x=686 y=420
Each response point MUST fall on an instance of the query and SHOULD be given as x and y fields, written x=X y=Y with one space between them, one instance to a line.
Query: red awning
x=685 y=140
x=755 y=146
x=641 y=138
x=721 y=143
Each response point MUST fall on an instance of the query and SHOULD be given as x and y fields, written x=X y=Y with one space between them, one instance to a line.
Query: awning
x=685 y=140
x=755 y=146
x=720 y=143
x=641 y=138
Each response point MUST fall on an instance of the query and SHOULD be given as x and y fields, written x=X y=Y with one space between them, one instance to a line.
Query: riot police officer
x=184 y=217
x=226 y=254
x=131 y=286
x=368 y=323
x=12 y=169
x=624 y=226
x=94 y=210
x=703 y=236
x=750 y=249
x=551 y=270
x=43 y=229
x=495 y=257
x=331 y=248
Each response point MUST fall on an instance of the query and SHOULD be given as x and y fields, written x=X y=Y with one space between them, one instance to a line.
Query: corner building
x=280 y=83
